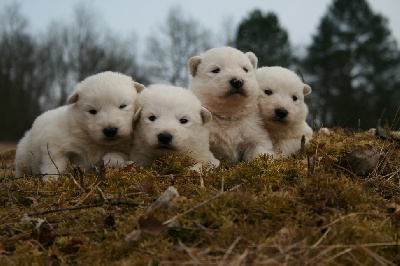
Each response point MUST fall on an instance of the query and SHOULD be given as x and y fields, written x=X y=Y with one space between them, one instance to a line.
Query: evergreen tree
x=262 y=34
x=354 y=66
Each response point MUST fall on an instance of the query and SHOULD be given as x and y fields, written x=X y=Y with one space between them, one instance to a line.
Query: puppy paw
x=250 y=154
x=115 y=159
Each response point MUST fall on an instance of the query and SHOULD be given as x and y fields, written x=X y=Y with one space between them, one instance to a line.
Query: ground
x=4 y=146
x=335 y=203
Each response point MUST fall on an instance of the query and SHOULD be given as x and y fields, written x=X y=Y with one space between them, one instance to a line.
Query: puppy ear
x=253 y=59
x=306 y=90
x=73 y=98
x=136 y=116
x=193 y=63
x=139 y=87
x=206 y=116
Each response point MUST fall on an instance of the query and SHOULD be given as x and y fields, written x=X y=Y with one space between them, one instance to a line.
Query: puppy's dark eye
x=217 y=70
x=268 y=92
x=152 y=118
x=93 y=111
x=294 y=98
x=183 y=120
x=122 y=106
x=245 y=69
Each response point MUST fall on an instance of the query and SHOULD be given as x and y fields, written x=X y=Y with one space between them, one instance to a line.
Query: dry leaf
x=361 y=161
x=166 y=200
x=150 y=224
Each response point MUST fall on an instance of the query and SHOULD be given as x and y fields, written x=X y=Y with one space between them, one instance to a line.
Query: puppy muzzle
x=164 y=141
x=236 y=87
x=110 y=132
x=280 y=114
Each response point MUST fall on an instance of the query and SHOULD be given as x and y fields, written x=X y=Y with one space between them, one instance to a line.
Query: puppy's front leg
x=290 y=146
x=254 y=150
x=53 y=165
x=209 y=164
x=115 y=159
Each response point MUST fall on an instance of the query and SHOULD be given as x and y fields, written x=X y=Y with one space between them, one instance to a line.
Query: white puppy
x=224 y=81
x=97 y=121
x=283 y=109
x=171 y=122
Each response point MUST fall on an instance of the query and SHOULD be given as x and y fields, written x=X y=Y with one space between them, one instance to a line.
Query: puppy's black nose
x=164 y=138
x=281 y=113
x=110 y=131
x=236 y=83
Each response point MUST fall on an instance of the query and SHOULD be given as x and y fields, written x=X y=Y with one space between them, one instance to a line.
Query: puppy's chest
x=86 y=155
x=227 y=140
x=89 y=154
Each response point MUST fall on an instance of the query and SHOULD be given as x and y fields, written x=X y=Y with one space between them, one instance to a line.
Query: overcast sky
x=124 y=17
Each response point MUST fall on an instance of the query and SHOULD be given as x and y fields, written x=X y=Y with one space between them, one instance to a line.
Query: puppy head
x=224 y=79
x=104 y=105
x=282 y=96
x=171 y=120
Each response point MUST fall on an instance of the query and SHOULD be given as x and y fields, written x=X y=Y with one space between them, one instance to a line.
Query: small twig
x=52 y=160
x=347 y=250
x=89 y=193
x=101 y=172
x=343 y=168
x=347 y=216
x=117 y=203
x=196 y=260
x=201 y=180
x=310 y=165
x=319 y=255
x=200 y=204
x=378 y=258
x=382 y=164
x=102 y=195
x=76 y=183
x=303 y=146
x=321 y=239
x=229 y=251
x=67 y=209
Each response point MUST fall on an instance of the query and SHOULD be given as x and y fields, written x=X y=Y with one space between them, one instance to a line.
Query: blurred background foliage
x=352 y=64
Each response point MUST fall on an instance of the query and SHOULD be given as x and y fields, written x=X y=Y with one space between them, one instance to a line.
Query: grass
x=310 y=209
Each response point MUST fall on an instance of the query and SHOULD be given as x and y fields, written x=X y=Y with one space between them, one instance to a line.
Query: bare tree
x=83 y=48
x=37 y=74
x=169 y=49
x=227 y=32
x=22 y=82
x=58 y=64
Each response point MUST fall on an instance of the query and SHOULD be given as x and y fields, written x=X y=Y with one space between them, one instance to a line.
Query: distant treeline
x=352 y=64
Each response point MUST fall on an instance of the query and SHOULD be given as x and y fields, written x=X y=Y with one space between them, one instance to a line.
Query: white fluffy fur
x=236 y=132
x=71 y=133
x=283 y=84
x=175 y=112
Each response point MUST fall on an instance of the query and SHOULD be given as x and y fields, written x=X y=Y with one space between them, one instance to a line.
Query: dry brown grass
x=310 y=209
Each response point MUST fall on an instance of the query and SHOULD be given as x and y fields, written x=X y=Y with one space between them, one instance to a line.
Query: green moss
x=306 y=209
